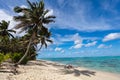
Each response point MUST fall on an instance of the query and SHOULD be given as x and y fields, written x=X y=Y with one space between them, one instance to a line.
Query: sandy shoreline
x=47 y=70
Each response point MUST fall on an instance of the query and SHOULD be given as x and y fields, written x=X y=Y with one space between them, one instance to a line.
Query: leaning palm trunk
x=26 y=53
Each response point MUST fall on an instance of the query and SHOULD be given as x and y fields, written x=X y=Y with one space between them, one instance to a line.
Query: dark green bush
x=17 y=56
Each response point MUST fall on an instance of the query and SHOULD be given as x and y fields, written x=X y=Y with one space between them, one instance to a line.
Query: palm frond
x=19 y=18
x=48 y=40
x=45 y=21
x=10 y=30
x=41 y=5
x=18 y=9
x=49 y=17
x=4 y=24
x=10 y=35
x=23 y=24
x=45 y=12
x=30 y=4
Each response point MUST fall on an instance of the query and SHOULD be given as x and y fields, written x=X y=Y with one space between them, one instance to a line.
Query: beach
x=48 y=70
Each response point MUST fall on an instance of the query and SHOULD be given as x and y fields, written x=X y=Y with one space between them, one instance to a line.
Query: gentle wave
x=109 y=64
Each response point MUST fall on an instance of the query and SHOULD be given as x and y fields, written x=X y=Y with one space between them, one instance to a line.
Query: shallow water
x=109 y=64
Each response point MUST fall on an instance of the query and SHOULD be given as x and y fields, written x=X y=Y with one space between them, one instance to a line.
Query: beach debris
x=68 y=66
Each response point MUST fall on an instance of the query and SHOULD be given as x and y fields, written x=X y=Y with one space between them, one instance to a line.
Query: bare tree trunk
x=26 y=53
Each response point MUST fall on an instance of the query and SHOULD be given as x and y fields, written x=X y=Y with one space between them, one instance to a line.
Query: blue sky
x=82 y=27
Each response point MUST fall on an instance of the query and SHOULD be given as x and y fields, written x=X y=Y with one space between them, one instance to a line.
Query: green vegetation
x=4 y=57
x=1 y=58
x=17 y=56
x=33 y=21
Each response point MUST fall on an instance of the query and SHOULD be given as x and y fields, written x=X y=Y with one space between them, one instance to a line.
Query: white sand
x=46 y=70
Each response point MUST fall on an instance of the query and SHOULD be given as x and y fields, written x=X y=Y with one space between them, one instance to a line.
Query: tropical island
x=21 y=47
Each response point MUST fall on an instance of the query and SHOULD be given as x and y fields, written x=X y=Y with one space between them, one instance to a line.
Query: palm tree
x=33 y=21
x=5 y=35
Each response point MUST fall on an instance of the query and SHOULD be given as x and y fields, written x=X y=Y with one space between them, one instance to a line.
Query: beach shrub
x=1 y=58
x=4 y=57
x=7 y=56
x=17 y=56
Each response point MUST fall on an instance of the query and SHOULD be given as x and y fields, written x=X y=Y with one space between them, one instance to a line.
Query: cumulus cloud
x=78 y=46
x=78 y=42
x=111 y=36
x=58 y=39
x=91 y=44
x=104 y=46
x=76 y=38
x=58 y=49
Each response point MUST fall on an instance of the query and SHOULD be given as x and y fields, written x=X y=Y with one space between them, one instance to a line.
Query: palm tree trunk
x=26 y=53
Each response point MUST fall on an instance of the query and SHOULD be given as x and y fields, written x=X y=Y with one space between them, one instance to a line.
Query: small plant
x=1 y=58
x=4 y=57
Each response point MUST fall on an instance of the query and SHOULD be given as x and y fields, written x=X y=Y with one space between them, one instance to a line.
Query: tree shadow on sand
x=31 y=63
x=9 y=70
x=8 y=67
x=73 y=70
x=5 y=71
x=77 y=72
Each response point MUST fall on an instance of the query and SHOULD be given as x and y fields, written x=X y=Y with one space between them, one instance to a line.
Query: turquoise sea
x=109 y=64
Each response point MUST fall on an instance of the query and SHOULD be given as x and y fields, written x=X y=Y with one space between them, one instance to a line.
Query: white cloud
x=111 y=36
x=78 y=46
x=23 y=6
x=76 y=38
x=7 y=17
x=58 y=39
x=91 y=44
x=77 y=41
x=104 y=46
x=58 y=49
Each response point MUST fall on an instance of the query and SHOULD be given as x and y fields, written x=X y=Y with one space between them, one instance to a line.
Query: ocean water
x=109 y=64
